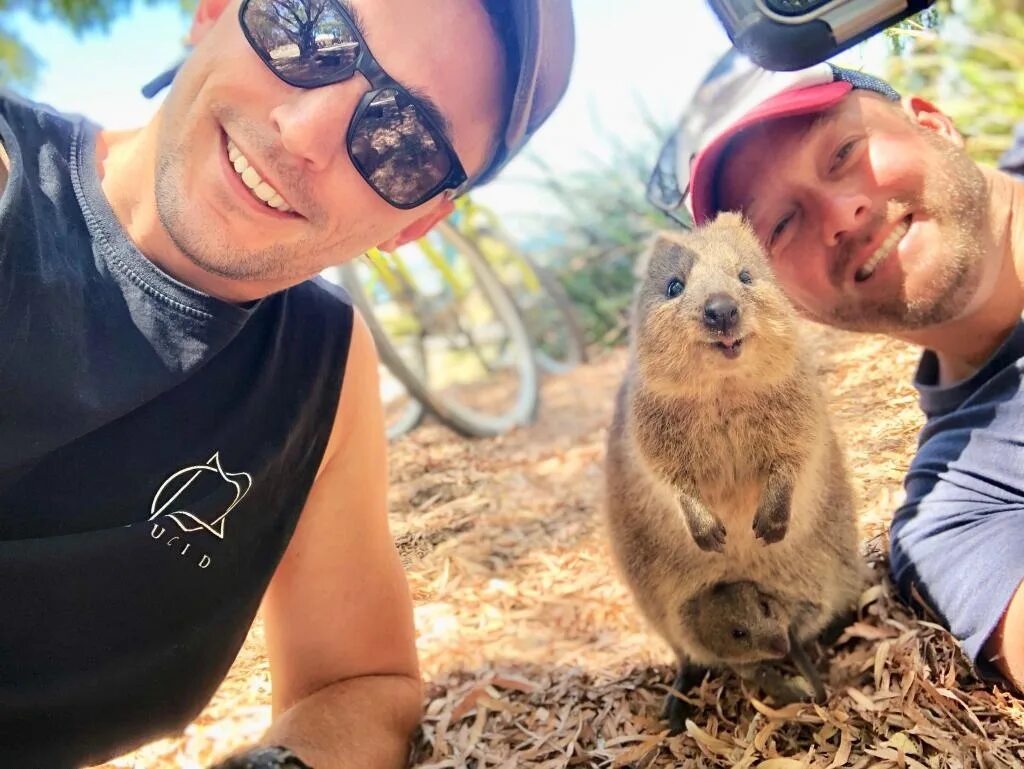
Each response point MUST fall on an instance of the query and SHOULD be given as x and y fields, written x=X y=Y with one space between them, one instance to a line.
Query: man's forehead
x=765 y=149
x=771 y=144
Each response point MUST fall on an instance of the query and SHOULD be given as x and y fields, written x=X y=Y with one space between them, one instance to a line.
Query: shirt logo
x=177 y=496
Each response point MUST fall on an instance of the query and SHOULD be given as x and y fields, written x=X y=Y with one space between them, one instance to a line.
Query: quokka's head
x=739 y=622
x=708 y=307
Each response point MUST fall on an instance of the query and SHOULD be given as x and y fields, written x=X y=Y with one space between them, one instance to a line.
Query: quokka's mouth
x=729 y=346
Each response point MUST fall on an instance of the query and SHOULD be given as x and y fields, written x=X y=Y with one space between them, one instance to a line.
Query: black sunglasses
x=395 y=140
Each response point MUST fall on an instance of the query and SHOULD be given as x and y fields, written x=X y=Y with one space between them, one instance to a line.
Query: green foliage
x=603 y=221
x=19 y=64
x=969 y=60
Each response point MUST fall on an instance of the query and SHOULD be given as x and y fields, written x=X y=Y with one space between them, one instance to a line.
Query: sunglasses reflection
x=395 y=150
x=303 y=38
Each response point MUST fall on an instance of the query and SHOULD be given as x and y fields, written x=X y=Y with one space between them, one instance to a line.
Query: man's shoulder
x=318 y=315
x=17 y=110
x=1012 y=161
x=971 y=440
x=318 y=303
x=26 y=125
x=328 y=291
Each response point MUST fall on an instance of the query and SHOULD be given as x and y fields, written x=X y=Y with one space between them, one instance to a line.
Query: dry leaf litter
x=533 y=654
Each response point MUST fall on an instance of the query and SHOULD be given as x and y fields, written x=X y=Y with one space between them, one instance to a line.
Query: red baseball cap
x=733 y=97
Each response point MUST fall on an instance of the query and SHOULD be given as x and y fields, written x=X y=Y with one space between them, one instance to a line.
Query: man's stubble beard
x=206 y=250
x=955 y=196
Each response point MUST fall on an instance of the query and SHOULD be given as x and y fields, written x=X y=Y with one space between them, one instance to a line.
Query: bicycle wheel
x=477 y=373
x=402 y=411
x=547 y=311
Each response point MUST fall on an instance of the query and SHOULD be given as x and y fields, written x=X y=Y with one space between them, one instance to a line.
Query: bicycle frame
x=465 y=216
x=389 y=264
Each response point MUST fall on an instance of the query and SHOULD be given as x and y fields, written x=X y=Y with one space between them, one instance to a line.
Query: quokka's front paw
x=786 y=689
x=709 y=533
x=770 y=526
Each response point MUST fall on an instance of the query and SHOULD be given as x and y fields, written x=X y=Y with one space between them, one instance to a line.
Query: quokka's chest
x=732 y=443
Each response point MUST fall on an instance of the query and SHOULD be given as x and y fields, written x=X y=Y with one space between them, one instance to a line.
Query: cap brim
x=545 y=37
x=161 y=81
x=800 y=101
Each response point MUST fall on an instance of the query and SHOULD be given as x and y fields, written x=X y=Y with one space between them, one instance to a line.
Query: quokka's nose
x=780 y=645
x=721 y=313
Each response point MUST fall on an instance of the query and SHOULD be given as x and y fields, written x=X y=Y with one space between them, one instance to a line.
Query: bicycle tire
x=407 y=420
x=577 y=353
x=409 y=416
x=567 y=323
x=457 y=416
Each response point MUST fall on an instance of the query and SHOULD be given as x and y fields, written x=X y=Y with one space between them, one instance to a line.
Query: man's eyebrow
x=820 y=121
x=427 y=104
x=353 y=14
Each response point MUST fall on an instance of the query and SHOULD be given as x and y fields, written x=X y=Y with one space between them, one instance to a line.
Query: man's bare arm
x=338 y=614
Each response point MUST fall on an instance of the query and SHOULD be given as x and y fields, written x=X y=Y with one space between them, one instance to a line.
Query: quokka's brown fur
x=725 y=467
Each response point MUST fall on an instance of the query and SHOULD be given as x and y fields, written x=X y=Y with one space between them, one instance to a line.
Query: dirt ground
x=535 y=656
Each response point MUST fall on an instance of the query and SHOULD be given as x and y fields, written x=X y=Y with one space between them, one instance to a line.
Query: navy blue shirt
x=958 y=539
x=157 y=446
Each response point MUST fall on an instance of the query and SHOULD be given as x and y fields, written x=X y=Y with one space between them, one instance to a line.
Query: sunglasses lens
x=397 y=150
x=308 y=43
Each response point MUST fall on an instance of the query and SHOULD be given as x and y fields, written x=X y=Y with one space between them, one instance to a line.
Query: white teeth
x=259 y=188
x=264 y=192
x=868 y=268
x=251 y=178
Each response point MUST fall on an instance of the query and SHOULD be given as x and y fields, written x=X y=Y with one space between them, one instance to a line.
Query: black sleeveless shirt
x=156 y=448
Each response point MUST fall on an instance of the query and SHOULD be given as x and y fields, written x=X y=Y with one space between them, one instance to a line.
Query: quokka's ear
x=736 y=226
x=730 y=219
x=667 y=246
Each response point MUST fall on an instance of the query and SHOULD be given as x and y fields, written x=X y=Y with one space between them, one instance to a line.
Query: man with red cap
x=190 y=421
x=875 y=219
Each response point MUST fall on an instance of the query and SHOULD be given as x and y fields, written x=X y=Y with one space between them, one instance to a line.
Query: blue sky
x=640 y=54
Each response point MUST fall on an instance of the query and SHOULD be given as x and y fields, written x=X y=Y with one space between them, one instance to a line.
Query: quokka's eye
x=674 y=288
x=745 y=277
x=738 y=633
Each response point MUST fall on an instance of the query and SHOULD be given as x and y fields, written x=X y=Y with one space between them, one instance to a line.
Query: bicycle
x=550 y=318
x=448 y=330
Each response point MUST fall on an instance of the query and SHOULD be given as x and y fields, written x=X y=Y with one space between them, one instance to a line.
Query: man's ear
x=927 y=115
x=207 y=12
x=420 y=227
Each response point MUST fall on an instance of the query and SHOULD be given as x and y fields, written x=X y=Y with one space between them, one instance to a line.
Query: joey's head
x=739 y=622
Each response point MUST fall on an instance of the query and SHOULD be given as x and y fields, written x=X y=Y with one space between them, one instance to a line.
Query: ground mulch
x=534 y=655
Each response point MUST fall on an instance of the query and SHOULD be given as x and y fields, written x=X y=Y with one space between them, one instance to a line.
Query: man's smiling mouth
x=867 y=269
x=260 y=189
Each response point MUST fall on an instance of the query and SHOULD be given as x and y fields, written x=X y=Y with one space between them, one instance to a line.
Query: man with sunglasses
x=875 y=219
x=190 y=422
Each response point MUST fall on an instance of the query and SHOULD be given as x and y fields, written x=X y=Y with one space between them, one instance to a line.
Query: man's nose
x=313 y=123
x=843 y=214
